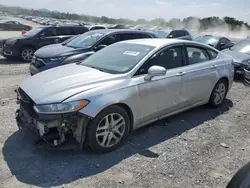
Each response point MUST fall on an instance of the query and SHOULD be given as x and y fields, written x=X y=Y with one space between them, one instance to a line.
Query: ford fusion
x=121 y=88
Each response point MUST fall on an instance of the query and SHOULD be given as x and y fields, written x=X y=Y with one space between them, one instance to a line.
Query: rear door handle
x=213 y=66
x=180 y=73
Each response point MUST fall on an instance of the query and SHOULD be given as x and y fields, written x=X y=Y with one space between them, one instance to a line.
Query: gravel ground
x=196 y=149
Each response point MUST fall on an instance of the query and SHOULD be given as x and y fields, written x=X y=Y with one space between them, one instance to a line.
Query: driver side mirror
x=97 y=48
x=155 y=71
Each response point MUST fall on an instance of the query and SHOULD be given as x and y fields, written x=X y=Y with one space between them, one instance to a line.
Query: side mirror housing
x=97 y=48
x=155 y=71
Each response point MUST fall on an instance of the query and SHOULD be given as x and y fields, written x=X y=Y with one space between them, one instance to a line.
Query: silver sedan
x=121 y=88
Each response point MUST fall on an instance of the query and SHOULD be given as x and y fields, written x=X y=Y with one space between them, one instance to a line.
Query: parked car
x=81 y=47
x=220 y=43
x=180 y=34
x=13 y=25
x=241 y=54
x=247 y=75
x=95 y=27
x=121 y=88
x=241 y=178
x=25 y=45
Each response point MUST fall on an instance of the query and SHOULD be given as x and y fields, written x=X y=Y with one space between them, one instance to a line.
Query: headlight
x=56 y=59
x=61 y=107
x=10 y=42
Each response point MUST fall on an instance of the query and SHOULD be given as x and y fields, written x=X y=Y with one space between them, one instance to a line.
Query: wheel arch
x=224 y=78
x=27 y=46
x=126 y=108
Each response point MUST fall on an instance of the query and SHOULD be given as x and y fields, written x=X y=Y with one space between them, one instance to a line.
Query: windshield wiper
x=94 y=67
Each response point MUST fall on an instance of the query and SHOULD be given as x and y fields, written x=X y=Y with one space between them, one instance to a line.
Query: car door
x=48 y=36
x=162 y=94
x=199 y=75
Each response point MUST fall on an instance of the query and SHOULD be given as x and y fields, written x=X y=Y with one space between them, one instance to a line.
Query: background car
x=220 y=43
x=13 y=26
x=81 y=47
x=95 y=27
x=180 y=34
x=25 y=45
x=241 y=54
x=122 y=88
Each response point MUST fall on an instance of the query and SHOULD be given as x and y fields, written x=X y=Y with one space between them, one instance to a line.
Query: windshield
x=118 y=58
x=33 y=32
x=242 y=46
x=207 y=40
x=85 y=40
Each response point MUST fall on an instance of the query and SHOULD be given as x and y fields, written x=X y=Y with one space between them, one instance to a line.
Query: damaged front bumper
x=59 y=130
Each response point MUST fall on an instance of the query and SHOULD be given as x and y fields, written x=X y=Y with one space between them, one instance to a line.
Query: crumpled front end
x=56 y=130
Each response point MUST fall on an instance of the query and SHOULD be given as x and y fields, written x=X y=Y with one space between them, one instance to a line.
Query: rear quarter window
x=213 y=54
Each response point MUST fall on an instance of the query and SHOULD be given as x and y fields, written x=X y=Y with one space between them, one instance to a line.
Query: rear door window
x=49 y=32
x=130 y=36
x=197 y=55
x=108 y=40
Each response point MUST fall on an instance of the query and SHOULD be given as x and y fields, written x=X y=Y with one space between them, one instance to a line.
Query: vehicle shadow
x=4 y=61
x=46 y=168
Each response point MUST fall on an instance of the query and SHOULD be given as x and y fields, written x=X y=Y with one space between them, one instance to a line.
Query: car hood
x=13 y=38
x=56 y=50
x=57 y=84
x=238 y=56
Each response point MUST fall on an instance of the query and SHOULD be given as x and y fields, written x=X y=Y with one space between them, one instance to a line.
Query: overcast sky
x=148 y=9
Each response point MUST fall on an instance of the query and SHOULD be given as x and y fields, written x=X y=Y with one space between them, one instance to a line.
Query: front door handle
x=213 y=66
x=180 y=73
x=56 y=40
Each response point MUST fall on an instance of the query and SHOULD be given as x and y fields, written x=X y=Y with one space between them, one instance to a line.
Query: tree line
x=189 y=22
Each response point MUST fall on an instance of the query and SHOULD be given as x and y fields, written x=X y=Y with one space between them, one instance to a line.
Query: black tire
x=28 y=49
x=212 y=99
x=91 y=139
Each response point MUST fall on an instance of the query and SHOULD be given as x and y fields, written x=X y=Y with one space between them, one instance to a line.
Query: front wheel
x=108 y=129
x=218 y=94
x=27 y=54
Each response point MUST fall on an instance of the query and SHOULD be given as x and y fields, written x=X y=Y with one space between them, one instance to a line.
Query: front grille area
x=26 y=103
x=37 y=62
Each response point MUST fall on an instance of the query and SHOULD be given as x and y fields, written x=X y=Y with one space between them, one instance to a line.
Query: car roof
x=212 y=36
x=158 y=42
x=47 y=26
x=109 y=31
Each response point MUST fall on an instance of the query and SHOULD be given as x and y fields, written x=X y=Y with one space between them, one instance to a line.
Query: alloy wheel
x=219 y=93
x=27 y=54
x=110 y=130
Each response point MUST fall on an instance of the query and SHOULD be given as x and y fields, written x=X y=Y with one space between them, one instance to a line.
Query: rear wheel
x=219 y=93
x=108 y=129
x=27 y=54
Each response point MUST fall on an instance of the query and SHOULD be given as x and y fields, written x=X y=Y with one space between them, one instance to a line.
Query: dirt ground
x=196 y=149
